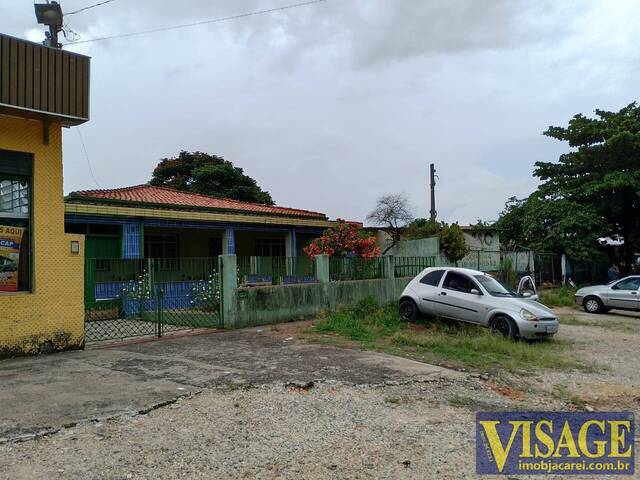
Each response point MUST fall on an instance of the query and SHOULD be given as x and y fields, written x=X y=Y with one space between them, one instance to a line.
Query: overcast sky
x=331 y=105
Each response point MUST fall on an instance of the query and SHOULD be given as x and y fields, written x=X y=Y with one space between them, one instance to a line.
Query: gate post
x=389 y=274
x=228 y=268
x=322 y=268
x=159 y=319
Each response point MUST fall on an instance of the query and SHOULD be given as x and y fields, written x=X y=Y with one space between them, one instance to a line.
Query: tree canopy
x=591 y=192
x=200 y=172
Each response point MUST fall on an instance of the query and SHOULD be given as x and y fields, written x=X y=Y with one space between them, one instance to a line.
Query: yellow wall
x=54 y=311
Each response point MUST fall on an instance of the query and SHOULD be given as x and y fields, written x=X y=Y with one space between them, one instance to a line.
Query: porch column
x=291 y=251
x=132 y=245
x=231 y=241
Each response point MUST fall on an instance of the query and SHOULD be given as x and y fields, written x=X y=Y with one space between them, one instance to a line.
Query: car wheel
x=504 y=326
x=408 y=310
x=593 y=305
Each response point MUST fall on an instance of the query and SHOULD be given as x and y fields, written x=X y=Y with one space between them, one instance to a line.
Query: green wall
x=425 y=247
x=266 y=305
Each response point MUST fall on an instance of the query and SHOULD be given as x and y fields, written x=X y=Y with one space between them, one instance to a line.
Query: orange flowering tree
x=346 y=239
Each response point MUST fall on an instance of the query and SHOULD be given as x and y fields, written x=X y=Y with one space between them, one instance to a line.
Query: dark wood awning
x=42 y=82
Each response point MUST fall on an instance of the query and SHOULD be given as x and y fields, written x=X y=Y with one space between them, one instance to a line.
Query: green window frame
x=270 y=247
x=163 y=247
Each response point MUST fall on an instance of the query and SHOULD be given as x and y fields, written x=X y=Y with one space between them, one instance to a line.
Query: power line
x=215 y=20
x=86 y=155
x=89 y=7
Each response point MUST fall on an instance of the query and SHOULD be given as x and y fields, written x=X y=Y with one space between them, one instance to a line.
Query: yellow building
x=42 y=90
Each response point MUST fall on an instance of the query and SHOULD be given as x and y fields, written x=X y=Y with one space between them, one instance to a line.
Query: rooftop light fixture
x=50 y=14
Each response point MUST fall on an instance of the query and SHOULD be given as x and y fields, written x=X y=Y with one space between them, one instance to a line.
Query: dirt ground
x=266 y=403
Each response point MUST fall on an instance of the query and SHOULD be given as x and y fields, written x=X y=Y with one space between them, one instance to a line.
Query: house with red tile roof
x=145 y=221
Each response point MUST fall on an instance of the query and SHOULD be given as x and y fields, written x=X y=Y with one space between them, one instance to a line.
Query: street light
x=50 y=14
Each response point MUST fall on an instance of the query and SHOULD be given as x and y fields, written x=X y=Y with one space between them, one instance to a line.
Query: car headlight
x=527 y=315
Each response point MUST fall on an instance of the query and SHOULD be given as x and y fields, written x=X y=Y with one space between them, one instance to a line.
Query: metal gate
x=150 y=297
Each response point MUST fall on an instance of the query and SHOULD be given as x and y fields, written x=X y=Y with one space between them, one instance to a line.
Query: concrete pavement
x=40 y=395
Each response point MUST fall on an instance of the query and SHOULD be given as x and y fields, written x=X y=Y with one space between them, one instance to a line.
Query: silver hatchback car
x=476 y=297
x=621 y=294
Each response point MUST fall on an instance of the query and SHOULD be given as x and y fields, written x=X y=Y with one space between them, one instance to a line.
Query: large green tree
x=551 y=225
x=592 y=191
x=200 y=172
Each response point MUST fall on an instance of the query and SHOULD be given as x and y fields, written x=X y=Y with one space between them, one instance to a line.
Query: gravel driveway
x=364 y=416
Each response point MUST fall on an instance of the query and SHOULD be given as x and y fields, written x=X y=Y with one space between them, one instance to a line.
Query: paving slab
x=39 y=395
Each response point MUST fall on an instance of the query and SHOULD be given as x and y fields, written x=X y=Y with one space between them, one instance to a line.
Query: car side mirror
x=526 y=294
x=475 y=291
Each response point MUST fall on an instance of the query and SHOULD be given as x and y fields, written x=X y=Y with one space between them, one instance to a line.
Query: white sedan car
x=476 y=297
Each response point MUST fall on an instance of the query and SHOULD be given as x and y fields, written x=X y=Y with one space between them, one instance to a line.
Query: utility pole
x=432 y=175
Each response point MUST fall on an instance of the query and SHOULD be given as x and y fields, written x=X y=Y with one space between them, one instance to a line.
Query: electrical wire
x=89 y=7
x=86 y=155
x=203 y=22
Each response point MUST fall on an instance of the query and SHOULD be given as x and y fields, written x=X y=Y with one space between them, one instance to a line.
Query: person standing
x=613 y=273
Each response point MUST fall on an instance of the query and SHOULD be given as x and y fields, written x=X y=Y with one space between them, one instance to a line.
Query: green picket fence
x=412 y=266
x=275 y=270
x=354 y=268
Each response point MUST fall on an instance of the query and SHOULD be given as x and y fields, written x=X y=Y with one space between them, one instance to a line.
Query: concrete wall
x=424 y=247
x=52 y=314
x=249 y=306
x=266 y=305
x=481 y=239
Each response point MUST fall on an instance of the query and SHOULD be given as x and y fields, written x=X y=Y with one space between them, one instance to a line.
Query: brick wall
x=52 y=315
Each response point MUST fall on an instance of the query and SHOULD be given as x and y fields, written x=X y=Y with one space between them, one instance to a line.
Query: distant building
x=481 y=238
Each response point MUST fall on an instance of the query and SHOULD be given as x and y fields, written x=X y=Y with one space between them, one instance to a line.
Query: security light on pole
x=50 y=14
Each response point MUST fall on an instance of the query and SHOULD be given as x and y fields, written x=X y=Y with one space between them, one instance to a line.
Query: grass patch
x=576 y=321
x=366 y=322
x=600 y=323
x=558 y=297
x=443 y=343
x=477 y=348
x=561 y=392
x=461 y=401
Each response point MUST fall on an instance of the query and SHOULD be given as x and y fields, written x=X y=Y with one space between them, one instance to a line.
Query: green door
x=102 y=246
x=97 y=246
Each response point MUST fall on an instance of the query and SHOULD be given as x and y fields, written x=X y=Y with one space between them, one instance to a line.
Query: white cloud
x=332 y=105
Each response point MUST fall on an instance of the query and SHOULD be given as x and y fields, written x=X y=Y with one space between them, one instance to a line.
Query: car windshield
x=493 y=286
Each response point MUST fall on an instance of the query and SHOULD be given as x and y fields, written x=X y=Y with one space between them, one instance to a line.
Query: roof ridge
x=119 y=189
x=238 y=203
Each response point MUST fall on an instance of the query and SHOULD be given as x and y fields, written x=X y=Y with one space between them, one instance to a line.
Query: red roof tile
x=168 y=197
